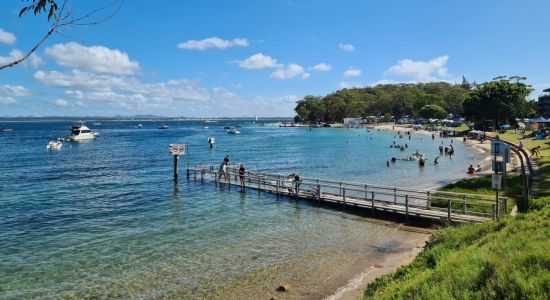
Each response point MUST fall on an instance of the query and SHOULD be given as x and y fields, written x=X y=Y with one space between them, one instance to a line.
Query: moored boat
x=81 y=133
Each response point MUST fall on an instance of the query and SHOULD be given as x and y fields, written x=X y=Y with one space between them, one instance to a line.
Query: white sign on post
x=176 y=149
x=496 y=182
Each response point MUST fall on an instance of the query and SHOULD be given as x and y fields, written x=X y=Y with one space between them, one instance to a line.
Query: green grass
x=504 y=259
x=482 y=186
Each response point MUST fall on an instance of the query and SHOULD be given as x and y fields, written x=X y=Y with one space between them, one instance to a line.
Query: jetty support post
x=343 y=196
x=372 y=202
x=450 y=210
x=394 y=195
x=464 y=210
x=428 y=204
x=406 y=207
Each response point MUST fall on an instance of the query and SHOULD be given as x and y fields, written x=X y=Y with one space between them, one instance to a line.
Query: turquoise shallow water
x=104 y=219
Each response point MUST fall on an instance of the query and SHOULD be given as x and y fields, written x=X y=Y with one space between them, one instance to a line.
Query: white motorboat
x=54 y=145
x=139 y=126
x=81 y=133
x=232 y=130
x=205 y=126
x=164 y=127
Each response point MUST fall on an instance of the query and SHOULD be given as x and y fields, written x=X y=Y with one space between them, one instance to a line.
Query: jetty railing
x=459 y=207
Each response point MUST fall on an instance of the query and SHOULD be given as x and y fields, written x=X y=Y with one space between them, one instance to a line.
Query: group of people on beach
x=472 y=170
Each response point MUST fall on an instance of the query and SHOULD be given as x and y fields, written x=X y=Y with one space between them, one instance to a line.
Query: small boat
x=226 y=127
x=164 y=127
x=139 y=126
x=81 y=133
x=54 y=145
x=6 y=129
x=233 y=131
x=205 y=126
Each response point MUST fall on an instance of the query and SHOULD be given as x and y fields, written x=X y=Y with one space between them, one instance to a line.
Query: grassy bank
x=504 y=259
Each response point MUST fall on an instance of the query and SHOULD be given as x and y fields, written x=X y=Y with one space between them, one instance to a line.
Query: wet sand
x=332 y=274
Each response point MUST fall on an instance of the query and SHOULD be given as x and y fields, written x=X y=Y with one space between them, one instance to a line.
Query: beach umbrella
x=539 y=120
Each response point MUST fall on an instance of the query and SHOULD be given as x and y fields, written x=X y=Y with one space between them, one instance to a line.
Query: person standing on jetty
x=226 y=159
x=241 y=175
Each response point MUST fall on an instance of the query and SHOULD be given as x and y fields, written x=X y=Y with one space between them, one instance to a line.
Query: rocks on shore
x=283 y=288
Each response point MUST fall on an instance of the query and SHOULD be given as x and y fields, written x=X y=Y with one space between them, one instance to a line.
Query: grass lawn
x=505 y=259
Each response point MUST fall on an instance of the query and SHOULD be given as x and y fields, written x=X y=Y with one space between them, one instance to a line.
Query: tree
x=433 y=111
x=61 y=18
x=498 y=101
x=310 y=109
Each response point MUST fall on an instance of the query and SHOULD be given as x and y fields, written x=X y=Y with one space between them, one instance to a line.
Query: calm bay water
x=104 y=218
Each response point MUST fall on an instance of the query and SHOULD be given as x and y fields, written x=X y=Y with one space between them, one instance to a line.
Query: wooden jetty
x=427 y=204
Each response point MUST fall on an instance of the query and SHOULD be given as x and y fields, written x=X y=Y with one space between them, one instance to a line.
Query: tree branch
x=72 y=22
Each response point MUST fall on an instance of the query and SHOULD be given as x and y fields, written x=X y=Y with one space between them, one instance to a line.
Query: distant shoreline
x=136 y=119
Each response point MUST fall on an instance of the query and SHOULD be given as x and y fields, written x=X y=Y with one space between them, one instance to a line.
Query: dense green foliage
x=505 y=259
x=433 y=111
x=498 y=101
x=383 y=100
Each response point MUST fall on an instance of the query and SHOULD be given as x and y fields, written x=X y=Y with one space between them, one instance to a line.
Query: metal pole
x=176 y=159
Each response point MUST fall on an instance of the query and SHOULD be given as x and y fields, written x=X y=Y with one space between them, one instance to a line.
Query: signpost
x=499 y=149
x=176 y=150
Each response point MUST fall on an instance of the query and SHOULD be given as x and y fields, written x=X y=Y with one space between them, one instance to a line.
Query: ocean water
x=103 y=219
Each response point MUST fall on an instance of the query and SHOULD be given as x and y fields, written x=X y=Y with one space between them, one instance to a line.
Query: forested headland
x=496 y=101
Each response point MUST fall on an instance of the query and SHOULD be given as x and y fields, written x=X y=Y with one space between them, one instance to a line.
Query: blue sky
x=241 y=58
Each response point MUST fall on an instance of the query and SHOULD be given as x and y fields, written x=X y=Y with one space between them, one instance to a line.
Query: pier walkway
x=427 y=204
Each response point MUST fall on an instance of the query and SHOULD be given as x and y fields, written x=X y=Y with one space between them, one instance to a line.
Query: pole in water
x=188 y=159
x=176 y=160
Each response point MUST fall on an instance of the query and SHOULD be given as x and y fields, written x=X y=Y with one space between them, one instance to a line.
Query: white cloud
x=352 y=72
x=94 y=58
x=290 y=71
x=213 y=42
x=258 y=61
x=127 y=92
x=7 y=37
x=346 y=47
x=322 y=67
x=290 y=98
x=82 y=80
x=349 y=85
x=7 y=100
x=34 y=60
x=14 y=55
x=15 y=90
x=77 y=94
x=421 y=71
x=61 y=102
x=383 y=81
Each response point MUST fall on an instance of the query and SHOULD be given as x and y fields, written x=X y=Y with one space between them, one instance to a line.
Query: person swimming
x=421 y=162
x=393 y=159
